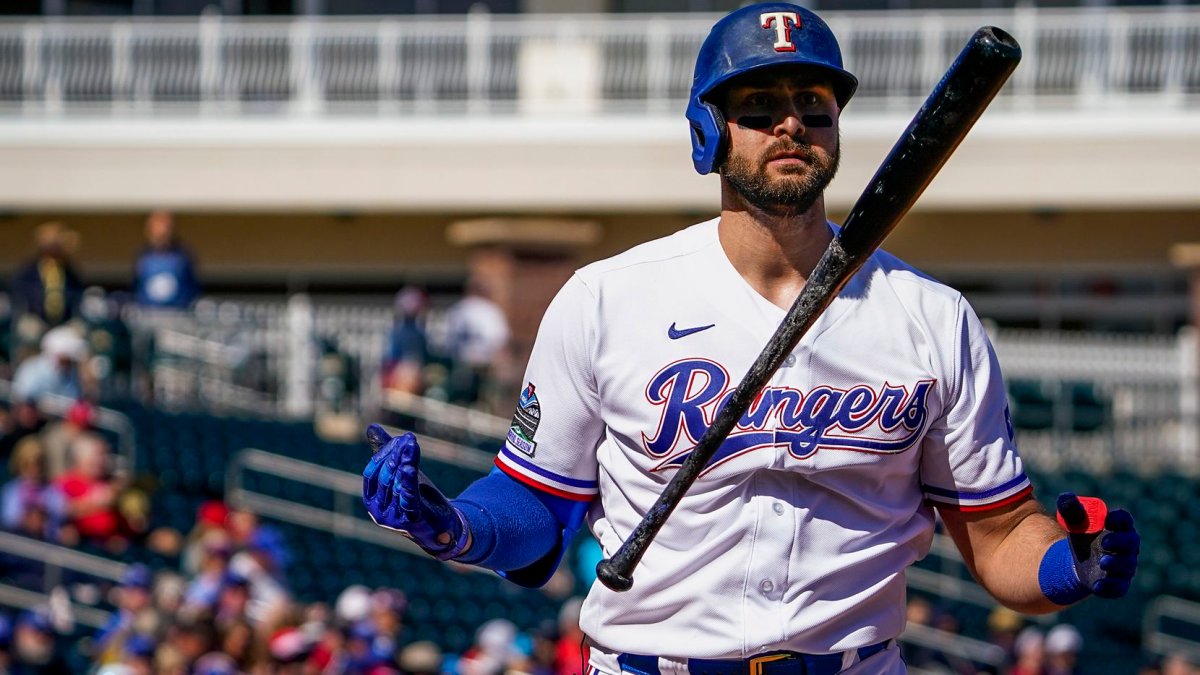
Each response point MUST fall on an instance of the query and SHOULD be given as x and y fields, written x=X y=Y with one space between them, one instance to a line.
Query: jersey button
x=778 y=508
x=789 y=361
x=766 y=586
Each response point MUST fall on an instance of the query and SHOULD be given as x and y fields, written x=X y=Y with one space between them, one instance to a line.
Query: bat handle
x=611 y=573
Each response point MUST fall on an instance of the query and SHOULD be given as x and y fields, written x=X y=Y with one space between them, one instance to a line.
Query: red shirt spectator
x=90 y=496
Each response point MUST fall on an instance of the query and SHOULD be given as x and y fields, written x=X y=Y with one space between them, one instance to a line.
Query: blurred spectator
x=190 y=638
x=919 y=612
x=28 y=504
x=164 y=276
x=233 y=601
x=58 y=436
x=135 y=615
x=137 y=657
x=263 y=564
x=1003 y=625
x=47 y=287
x=366 y=652
x=421 y=658
x=387 y=611
x=1029 y=648
x=23 y=419
x=110 y=342
x=6 y=635
x=241 y=526
x=8 y=355
x=478 y=333
x=353 y=604
x=216 y=663
x=1062 y=645
x=91 y=491
x=407 y=344
x=571 y=652
x=494 y=649
x=237 y=642
x=1179 y=664
x=210 y=518
x=289 y=648
x=204 y=590
x=55 y=370
x=337 y=376
x=35 y=648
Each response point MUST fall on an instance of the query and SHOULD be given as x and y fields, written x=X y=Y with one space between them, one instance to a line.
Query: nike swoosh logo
x=675 y=333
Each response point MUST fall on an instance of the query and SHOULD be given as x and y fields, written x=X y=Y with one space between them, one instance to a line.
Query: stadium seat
x=1089 y=411
x=1031 y=408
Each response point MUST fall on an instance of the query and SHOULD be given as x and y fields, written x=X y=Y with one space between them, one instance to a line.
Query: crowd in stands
x=228 y=609
x=66 y=486
x=1028 y=648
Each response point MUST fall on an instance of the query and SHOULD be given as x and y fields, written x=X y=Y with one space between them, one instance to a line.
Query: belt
x=770 y=663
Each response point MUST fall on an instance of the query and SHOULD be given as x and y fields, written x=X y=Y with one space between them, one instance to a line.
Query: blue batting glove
x=1101 y=547
x=399 y=497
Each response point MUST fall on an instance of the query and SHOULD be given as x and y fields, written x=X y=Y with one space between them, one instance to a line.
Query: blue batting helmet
x=753 y=37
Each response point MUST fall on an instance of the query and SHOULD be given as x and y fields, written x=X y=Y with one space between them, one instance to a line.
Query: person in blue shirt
x=164 y=275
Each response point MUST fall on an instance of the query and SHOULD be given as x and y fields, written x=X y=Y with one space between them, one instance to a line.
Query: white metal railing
x=1161 y=624
x=347 y=519
x=1147 y=387
x=56 y=560
x=599 y=64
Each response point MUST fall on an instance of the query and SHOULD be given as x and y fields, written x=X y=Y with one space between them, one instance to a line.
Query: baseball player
x=788 y=554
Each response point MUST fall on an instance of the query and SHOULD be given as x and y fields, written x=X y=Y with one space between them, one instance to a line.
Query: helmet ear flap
x=709 y=137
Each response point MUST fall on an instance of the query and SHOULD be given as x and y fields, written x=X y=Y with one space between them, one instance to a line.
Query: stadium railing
x=1102 y=401
x=56 y=562
x=1144 y=388
x=1082 y=58
x=347 y=518
x=1171 y=625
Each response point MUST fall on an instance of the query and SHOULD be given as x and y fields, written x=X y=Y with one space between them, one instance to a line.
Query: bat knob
x=609 y=575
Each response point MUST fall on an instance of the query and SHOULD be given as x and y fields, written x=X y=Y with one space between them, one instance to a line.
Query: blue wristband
x=1057 y=576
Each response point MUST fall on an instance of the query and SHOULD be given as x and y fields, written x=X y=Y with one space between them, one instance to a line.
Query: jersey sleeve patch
x=525 y=421
x=521 y=469
x=1000 y=495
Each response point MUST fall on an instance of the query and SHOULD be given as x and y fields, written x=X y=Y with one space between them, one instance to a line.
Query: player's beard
x=791 y=194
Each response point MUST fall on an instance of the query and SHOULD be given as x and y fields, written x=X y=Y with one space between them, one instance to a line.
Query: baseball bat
x=952 y=108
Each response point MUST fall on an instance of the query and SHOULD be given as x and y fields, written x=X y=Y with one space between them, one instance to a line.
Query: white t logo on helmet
x=783 y=33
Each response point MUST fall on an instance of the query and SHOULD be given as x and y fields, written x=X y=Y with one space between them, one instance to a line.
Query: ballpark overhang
x=1011 y=160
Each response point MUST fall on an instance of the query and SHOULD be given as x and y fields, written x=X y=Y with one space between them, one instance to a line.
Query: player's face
x=783 y=133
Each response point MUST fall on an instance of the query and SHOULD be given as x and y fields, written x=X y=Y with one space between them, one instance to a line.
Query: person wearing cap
x=263 y=564
x=55 y=371
x=36 y=646
x=1063 y=644
x=138 y=654
x=1029 y=652
x=58 y=435
x=421 y=658
x=134 y=601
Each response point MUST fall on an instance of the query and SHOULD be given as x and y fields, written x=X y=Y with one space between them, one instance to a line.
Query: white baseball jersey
x=798 y=533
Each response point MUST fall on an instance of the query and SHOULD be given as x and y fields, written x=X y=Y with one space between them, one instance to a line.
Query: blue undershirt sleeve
x=518 y=531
